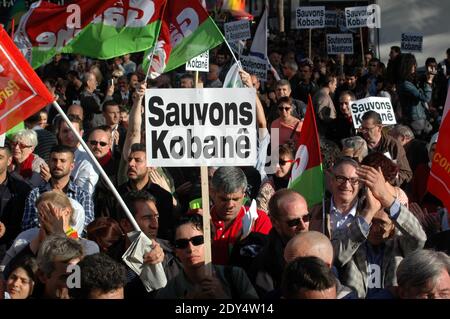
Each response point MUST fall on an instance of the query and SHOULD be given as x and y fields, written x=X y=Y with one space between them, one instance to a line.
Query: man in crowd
x=138 y=179
x=13 y=193
x=61 y=165
x=289 y=215
x=377 y=141
x=232 y=220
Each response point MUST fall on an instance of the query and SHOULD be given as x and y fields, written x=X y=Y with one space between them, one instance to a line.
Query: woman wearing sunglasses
x=192 y=283
x=288 y=125
x=25 y=162
x=278 y=180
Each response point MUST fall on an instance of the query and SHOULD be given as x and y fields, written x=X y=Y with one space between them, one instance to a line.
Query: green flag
x=186 y=31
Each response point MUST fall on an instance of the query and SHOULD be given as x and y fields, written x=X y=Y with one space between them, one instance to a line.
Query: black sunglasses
x=184 y=242
x=295 y=222
x=93 y=143
x=284 y=108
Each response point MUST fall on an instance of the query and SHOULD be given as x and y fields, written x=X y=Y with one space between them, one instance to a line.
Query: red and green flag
x=186 y=31
x=98 y=29
x=307 y=174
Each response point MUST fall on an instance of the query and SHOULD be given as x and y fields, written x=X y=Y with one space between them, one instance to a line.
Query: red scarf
x=25 y=167
x=105 y=159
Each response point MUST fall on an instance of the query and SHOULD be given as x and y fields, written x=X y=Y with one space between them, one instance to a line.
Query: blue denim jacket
x=413 y=99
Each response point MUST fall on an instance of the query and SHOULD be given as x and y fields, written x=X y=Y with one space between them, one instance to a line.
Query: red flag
x=439 y=180
x=22 y=93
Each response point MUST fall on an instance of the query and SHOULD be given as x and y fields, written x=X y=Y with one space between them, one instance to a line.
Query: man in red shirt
x=232 y=220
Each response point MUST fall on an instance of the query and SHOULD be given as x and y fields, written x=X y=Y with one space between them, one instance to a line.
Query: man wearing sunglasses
x=99 y=142
x=289 y=215
x=227 y=192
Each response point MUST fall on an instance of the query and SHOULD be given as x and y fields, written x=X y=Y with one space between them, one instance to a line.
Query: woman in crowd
x=20 y=282
x=288 y=125
x=280 y=179
x=193 y=283
x=25 y=162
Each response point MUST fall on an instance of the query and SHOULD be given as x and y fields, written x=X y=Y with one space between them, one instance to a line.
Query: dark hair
x=309 y=273
x=28 y=264
x=430 y=60
x=350 y=72
x=99 y=271
x=137 y=147
x=388 y=167
x=34 y=118
x=62 y=149
x=372 y=115
x=287 y=149
x=109 y=103
x=328 y=79
x=133 y=197
x=284 y=99
x=7 y=148
x=187 y=76
x=407 y=62
x=192 y=218
x=104 y=231
x=396 y=49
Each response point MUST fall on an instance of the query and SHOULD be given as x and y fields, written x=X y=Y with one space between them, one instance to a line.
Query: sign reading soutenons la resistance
x=381 y=105
x=196 y=127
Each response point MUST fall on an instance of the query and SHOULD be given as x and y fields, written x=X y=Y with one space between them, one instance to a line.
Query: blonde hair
x=59 y=200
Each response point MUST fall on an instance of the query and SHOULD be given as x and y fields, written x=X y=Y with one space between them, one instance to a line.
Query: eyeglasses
x=284 y=162
x=93 y=143
x=183 y=243
x=284 y=108
x=295 y=222
x=21 y=145
x=342 y=179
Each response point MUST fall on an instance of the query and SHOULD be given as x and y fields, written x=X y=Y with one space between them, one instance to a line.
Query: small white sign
x=199 y=63
x=237 y=30
x=310 y=17
x=381 y=105
x=330 y=19
x=368 y=16
x=255 y=65
x=412 y=42
x=340 y=43
x=2 y=139
x=200 y=127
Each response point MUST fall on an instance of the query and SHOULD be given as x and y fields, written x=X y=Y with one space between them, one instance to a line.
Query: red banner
x=22 y=93
x=439 y=180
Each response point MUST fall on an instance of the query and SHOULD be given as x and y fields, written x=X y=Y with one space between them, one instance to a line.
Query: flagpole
x=156 y=43
x=99 y=167
x=232 y=53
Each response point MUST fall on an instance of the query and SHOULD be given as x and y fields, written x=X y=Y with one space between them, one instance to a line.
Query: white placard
x=2 y=139
x=200 y=127
x=368 y=16
x=381 y=105
x=237 y=30
x=412 y=42
x=340 y=43
x=330 y=19
x=255 y=65
x=310 y=17
x=199 y=63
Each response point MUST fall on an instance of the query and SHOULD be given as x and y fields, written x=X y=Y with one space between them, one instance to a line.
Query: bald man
x=315 y=244
x=289 y=215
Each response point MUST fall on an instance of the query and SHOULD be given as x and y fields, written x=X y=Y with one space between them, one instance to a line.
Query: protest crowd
x=376 y=232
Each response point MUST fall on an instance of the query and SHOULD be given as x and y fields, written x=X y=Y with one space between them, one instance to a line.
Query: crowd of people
x=378 y=234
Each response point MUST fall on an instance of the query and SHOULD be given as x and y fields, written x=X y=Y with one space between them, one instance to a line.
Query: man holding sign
x=377 y=141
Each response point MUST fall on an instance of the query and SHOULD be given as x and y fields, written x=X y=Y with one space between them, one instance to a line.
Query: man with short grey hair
x=424 y=274
x=55 y=255
x=232 y=220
